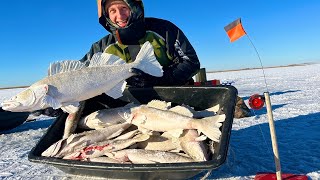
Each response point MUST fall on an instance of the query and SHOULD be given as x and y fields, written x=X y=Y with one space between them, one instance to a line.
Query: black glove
x=48 y=112
x=141 y=79
x=177 y=74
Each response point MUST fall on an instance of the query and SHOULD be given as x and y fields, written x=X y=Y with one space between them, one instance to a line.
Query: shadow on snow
x=31 y=125
x=251 y=152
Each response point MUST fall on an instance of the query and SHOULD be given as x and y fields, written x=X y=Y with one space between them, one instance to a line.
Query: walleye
x=76 y=142
x=195 y=149
x=140 y=156
x=70 y=82
x=105 y=117
x=148 y=118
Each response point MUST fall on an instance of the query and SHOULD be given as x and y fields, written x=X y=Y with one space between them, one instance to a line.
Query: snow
x=295 y=101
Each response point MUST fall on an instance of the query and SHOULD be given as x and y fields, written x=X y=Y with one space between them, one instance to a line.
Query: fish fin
x=182 y=110
x=147 y=62
x=144 y=130
x=102 y=59
x=50 y=101
x=201 y=138
x=71 y=108
x=117 y=90
x=53 y=149
x=210 y=126
x=212 y=111
x=214 y=108
x=176 y=151
x=72 y=137
x=38 y=92
x=167 y=135
x=141 y=137
x=64 y=66
x=158 y=104
x=175 y=133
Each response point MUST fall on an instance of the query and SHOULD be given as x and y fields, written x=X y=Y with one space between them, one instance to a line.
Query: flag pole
x=273 y=136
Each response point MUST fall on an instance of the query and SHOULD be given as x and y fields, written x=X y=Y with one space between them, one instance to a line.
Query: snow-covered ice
x=295 y=97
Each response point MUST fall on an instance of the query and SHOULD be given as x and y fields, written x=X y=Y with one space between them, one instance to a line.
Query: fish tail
x=147 y=62
x=53 y=149
x=210 y=126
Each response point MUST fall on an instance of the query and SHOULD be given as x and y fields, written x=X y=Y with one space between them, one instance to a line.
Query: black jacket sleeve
x=185 y=63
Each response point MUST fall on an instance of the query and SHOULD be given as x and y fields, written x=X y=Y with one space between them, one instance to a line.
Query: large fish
x=148 y=118
x=140 y=156
x=70 y=82
x=104 y=117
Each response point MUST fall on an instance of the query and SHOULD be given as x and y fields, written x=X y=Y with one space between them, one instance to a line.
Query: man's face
x=119 y=13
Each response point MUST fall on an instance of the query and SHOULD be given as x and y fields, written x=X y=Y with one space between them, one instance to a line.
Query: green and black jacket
x=172 y=49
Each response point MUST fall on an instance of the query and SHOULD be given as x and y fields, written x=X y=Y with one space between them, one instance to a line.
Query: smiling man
x=118 y=12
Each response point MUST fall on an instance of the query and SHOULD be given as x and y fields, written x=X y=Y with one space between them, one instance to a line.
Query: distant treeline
x=208 y=71
x=290 y=65
x=13 y=87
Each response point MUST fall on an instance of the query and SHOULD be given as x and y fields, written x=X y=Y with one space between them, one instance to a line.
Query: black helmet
x=135 y=28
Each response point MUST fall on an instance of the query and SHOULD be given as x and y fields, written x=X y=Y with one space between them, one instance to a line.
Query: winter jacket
x=172 y=49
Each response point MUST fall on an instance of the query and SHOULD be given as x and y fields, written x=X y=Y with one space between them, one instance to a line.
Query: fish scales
x=66 y=89
x=84 y=83
x=160 y=120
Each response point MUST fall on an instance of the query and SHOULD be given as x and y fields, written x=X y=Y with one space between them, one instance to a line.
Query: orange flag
x=235 y=30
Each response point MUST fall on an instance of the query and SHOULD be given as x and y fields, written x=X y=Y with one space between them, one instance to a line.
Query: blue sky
x=34 y=33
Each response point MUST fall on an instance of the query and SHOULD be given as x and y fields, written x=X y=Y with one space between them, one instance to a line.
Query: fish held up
x=70 y=82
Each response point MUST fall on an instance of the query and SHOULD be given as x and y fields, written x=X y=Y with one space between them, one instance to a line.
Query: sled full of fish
x=200 y=98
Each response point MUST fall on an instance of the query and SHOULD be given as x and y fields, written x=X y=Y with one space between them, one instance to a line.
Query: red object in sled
x=256 y=101
x=214 y=82
x=273 y=176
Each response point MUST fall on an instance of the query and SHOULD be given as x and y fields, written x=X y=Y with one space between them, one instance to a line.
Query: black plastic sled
x=10 y=120
x=198 y=97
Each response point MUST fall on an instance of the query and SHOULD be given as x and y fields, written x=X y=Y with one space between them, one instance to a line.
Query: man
x=129 y=29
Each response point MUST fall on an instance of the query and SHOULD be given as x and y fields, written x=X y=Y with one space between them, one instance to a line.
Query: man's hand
x=141 y=79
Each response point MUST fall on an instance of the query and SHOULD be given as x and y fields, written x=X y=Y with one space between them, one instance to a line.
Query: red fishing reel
x=256 y=101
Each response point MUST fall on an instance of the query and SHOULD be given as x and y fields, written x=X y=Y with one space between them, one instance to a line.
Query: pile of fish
x=142 y=134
